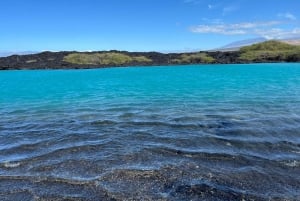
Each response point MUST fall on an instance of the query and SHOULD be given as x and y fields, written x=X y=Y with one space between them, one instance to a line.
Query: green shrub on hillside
x=108 y=58
x=200 y=57
x=142 y=59
x=270 y=50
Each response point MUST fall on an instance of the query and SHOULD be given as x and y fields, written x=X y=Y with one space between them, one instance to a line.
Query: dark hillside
x=270 y=51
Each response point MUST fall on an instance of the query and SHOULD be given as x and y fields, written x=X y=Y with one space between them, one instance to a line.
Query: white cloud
x=212 y=21
x=209 y=5
x=229 y=9
x=266 y=29
x=287 y=16
x=192 y=1
x=276 y=33
x=231 y=29
x=220 y=29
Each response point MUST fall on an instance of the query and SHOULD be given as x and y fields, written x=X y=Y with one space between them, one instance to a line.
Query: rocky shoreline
x=101 y=59
x=55 y=60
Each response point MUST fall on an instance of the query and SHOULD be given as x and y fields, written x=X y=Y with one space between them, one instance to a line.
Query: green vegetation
x=270 y=50
x=31 y=61
x=194 y=58
x=108 y=58
x=142 y=59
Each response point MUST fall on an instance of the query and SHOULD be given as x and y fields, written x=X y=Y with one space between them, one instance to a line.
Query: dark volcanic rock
x=55 y=60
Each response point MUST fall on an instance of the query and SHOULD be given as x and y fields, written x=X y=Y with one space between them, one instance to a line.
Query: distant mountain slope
x=242 y=43
x=270 y=51
x=235 y=46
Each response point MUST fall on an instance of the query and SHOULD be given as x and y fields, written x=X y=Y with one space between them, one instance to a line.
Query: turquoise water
x=207 y=132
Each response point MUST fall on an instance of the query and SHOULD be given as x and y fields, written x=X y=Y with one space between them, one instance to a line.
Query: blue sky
x=142 y=25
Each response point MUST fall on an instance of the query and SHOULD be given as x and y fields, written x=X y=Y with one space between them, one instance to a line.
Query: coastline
x=266 y=52
x=55 y=60
x=10 y=62
x=147 y=66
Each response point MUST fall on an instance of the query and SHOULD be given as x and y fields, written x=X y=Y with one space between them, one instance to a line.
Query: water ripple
x=195 y=133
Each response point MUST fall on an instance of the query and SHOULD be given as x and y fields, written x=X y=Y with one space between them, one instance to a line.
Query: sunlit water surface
x=207 y=132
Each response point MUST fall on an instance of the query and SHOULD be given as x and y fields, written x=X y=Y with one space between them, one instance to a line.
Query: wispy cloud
x=219 y=29
x=231 y=29
x=276 y=33
x=209 y=5
x=192 y=1
x=267 y=29
x=229 y=9
x=212 y=21
x=213 y=6
x=287 y=15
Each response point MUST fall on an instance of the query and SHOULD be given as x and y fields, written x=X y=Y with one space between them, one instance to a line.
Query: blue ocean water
x=199 y=132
